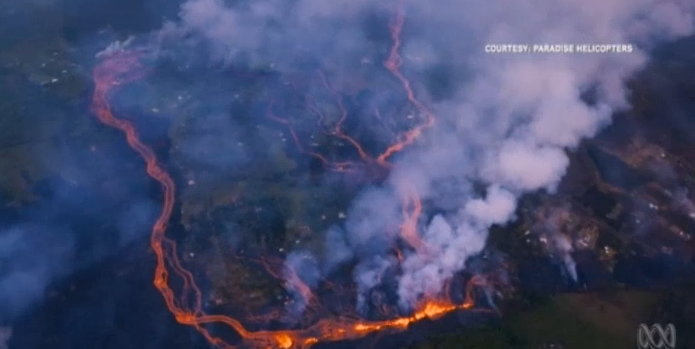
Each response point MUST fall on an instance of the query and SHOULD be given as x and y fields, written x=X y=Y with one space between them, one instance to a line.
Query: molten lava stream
x=393 y=64
x=125 y=67
x=345 y=166
x=412 y=199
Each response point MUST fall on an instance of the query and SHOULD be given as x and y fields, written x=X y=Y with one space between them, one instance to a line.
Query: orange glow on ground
x=186 y=307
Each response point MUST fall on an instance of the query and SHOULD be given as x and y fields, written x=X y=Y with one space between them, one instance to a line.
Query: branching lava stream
x=125 y=66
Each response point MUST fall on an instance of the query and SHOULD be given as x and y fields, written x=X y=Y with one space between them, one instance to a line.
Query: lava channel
x=125 y=67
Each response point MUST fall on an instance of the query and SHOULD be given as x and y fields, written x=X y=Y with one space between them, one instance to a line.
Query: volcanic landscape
x=343 y=174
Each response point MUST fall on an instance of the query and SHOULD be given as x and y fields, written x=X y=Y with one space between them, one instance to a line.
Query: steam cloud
x=505 y=124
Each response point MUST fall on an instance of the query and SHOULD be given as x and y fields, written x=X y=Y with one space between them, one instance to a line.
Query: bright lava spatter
x=124 y=67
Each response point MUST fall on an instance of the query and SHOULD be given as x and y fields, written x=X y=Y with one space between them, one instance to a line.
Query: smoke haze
x=504 y=122
x=504 y=125
x=5 y=334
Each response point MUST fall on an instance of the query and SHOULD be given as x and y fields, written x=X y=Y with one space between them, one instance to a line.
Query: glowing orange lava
x=186 y=307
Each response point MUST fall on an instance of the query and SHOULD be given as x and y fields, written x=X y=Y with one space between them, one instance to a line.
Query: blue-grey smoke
x=506 y=124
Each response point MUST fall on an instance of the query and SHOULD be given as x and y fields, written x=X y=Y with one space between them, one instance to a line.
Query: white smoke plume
x=301 y=274
x=553 y=230
x=506 y=125
x=115 y=47
x=563 y=246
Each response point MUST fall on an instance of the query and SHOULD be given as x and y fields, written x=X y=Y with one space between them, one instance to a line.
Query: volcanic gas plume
x=491 y=129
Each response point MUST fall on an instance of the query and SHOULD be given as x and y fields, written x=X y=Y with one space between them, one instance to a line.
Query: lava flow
x=412 y=205
x=124 y=67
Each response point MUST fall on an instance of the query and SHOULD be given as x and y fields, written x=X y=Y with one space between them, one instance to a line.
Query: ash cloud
x=505 y=124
